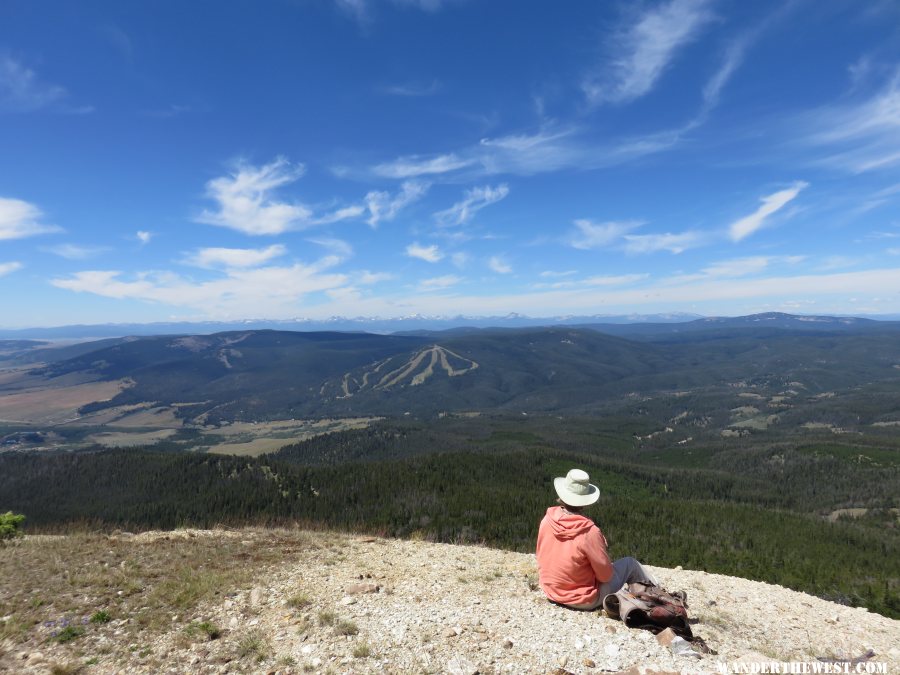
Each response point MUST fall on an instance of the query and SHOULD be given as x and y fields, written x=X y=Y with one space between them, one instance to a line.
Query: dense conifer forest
x=756 y=510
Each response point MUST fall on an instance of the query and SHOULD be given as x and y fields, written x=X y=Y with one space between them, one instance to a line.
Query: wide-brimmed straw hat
x=575 y=489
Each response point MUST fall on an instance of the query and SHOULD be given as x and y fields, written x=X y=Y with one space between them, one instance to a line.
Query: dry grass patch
x=138 y=582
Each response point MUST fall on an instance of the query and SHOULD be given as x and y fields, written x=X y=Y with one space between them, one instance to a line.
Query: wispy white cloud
x=590 y=235
x=439 y=282
x=20 y=219
x=382 y=206
x=9 y=268
x=368 y=278
x=551 y=148
x=747 y=225
x=21 y=90
x=475 y=199
x=644 y=49
x=246 y=201
x=343 y=213
x=143 y=236
x=499 y=265
x=550 y=274
x=548 y=149
x=665 y=241
x=235 y=292
x=460 y=259
x=860 y=70
x=736 y=267
x=600 y=280
x=430 y=254
x=234 y=257
x=861 y=136
x=710 y=295
x=837 y=262
x=338 y=247
x=416 y=165
x=76 y=251
x=355 y=9
x=613 y=280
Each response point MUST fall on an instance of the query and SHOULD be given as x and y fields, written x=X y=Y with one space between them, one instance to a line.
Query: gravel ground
x=368 y=605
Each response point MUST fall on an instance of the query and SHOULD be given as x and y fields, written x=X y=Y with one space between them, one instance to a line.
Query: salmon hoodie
x=571 y=557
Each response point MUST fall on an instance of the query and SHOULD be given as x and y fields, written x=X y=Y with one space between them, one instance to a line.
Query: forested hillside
x=754 y=512
x=267 y=375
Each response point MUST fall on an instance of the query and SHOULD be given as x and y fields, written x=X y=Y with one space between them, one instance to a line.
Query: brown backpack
x=650 y=607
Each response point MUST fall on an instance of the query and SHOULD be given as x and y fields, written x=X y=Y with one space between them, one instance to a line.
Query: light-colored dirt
x=252 y=439
x=127 y=440
x=439 y=608
x=55 y=404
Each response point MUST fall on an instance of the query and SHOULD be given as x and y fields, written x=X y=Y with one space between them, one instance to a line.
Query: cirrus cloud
x=257 y=292
x=475 y=199
x=430 y=254
x=9 y=268
x=644 y=49
x=235 y=257
x=20 y=219
x=744 y=227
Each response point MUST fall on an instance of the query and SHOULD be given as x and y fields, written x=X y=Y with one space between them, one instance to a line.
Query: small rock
x=233 y=623
x=256 y=597
x=460 y=666
x=34 y=657
x=612 y=651
x=449 y=632
x=679 y=568
x=610 y=629
x=562 y=661
x=681 y=647
x=354 y=589
x=306 y=650
x=579 y=644
x=316 y=662
x=507 y=644
x=665 y=637
x=589 y=663
x=347 y=600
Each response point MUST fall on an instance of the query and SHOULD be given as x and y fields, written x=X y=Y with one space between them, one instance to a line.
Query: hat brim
x=572 y=499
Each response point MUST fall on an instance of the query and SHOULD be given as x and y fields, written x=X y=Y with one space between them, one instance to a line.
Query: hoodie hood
x=567 y=525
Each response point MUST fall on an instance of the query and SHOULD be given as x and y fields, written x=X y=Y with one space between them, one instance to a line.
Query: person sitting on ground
x=573 y=565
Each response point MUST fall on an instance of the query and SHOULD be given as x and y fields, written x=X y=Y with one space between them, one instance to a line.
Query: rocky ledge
x=350 y=604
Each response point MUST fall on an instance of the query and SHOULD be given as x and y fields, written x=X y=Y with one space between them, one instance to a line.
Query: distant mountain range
x=337 y=323
x=419 y=322
x=268 y=374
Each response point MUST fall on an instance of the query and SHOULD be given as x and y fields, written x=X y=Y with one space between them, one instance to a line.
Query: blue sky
x=315 y=158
